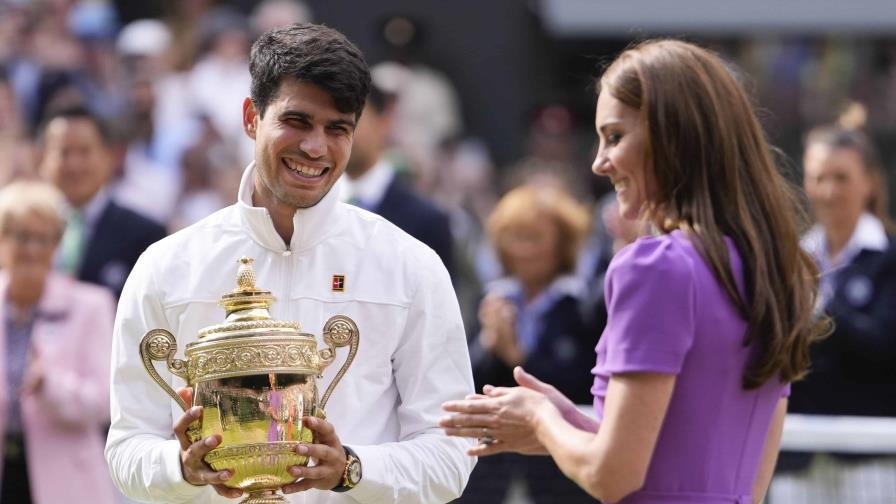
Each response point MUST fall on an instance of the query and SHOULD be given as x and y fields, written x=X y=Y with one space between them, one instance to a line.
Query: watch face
x=354 y=472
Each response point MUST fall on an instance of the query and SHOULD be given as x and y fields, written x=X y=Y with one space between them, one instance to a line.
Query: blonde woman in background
x=55 y=340
x=534 y=317
x=853 y=371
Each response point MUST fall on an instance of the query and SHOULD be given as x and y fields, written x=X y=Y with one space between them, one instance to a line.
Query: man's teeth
x=620 y=186
x=301 y=169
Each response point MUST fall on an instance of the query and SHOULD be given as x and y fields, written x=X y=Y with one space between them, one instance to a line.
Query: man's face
x=75 y=159
x=370 y=140
x=301 y=145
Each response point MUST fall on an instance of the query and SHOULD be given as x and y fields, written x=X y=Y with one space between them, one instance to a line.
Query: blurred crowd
x=135 y=130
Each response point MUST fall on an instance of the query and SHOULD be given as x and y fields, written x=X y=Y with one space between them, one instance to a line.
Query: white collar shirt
x=869 y=234
x=368 y=190
x=412 y=354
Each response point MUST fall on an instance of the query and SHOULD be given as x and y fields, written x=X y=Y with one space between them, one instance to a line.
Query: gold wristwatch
x=351 y=476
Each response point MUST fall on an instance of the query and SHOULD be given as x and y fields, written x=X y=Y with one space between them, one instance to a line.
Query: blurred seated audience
x=102 y=240
x=55 y=343
x=854 y=370
x=533 y=317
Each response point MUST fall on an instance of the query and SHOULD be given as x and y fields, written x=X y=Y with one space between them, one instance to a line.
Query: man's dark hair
x=76 y=112
x=312 y=53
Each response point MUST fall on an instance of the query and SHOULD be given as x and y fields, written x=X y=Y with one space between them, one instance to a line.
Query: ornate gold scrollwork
x=339 y=331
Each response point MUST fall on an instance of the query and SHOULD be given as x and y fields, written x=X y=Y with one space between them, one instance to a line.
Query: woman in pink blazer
x=55 y=336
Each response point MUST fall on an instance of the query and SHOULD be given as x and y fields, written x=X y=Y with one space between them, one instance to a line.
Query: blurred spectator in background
x=610 y=232
x=465 y=189
x=534 y=318
x=153 y=126
x=17 y=156
x=55 y=344
x=427 y=109
x=102 y=240
x=271 y=14
x=854 y=370
x=223 y=67
x=371 y=181
x=211 y=174
x=552 y=149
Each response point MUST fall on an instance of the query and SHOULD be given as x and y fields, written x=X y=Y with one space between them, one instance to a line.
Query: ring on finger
x=486 y=438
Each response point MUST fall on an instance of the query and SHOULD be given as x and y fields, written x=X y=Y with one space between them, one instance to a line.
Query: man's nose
x=314 y=144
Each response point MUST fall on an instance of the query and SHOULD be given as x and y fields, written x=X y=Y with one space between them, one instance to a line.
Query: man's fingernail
x=225 y=475
x=302 y=449
x=295 y=470
x=312 y=421
x=211 y=441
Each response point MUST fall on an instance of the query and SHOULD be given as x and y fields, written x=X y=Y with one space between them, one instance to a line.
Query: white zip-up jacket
x=412 y=354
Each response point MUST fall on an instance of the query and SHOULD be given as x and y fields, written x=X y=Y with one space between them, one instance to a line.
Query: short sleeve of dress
x=651 y=298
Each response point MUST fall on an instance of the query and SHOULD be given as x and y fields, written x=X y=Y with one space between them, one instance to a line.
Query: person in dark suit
x=854 y=370
x=534 y=317
x=372 y=183
x=102 y=239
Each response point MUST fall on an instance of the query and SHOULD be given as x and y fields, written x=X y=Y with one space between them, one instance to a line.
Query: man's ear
x=250 y=118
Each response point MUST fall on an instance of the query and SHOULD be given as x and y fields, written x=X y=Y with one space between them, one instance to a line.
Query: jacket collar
x=869 y=234
x=310 y=225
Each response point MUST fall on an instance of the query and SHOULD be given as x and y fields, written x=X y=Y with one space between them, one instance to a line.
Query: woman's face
x=27 y=247
x=837 y=184
x=622 y=153
x=531 y=250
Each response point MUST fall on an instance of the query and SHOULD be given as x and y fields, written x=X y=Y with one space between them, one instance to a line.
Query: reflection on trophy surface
x=255 y=378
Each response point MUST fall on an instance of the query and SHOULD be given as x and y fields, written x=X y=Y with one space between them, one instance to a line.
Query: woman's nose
x=601 y=164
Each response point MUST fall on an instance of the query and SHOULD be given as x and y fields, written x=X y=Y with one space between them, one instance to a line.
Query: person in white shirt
x=309 y=86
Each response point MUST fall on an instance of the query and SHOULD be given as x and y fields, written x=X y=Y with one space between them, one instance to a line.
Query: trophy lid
x=247 y=307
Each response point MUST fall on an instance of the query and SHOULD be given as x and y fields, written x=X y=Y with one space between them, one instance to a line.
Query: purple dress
x=668 y=314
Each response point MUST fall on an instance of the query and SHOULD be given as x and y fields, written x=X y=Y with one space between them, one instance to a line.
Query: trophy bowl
x=256 y=380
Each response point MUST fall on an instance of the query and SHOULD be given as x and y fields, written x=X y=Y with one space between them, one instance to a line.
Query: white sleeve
x=143 y=456
x=430 y=365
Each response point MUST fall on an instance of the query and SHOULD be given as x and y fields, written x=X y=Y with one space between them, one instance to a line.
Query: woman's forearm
x=571 y=448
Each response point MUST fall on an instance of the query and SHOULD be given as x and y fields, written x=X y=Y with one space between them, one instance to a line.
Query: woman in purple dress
x=708 y=322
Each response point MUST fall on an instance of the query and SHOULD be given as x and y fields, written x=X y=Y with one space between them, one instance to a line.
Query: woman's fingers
x=468 y=420
x=525 y=379
x=472 y=406
x=468 y=432
x=484 y=450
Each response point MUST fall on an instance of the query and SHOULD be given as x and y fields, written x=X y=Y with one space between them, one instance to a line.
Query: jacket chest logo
x=338 y=284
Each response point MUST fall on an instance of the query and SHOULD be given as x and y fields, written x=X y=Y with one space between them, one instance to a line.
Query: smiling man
x=320 y=257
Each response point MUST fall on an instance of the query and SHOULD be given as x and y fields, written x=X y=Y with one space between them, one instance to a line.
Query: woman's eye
x=613 y=138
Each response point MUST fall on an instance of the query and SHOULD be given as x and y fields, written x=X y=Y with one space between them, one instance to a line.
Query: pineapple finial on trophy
x=245 y=275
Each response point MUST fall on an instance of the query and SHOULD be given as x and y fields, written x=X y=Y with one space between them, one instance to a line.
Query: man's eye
x=613 y=138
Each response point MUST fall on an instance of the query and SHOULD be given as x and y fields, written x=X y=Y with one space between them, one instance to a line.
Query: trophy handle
x=339 y=331
x=160 y=345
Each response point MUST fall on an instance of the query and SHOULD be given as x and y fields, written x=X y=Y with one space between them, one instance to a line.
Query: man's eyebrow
x=289 y=114
x=342 y=122
x=297 y=114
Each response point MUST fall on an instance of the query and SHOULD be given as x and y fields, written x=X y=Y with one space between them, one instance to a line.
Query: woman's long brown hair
x=711 y=171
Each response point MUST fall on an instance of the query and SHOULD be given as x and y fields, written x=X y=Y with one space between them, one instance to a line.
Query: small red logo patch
x=338 y=283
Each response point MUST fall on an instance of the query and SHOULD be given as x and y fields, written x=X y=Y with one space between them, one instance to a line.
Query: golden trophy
x=255 y=378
